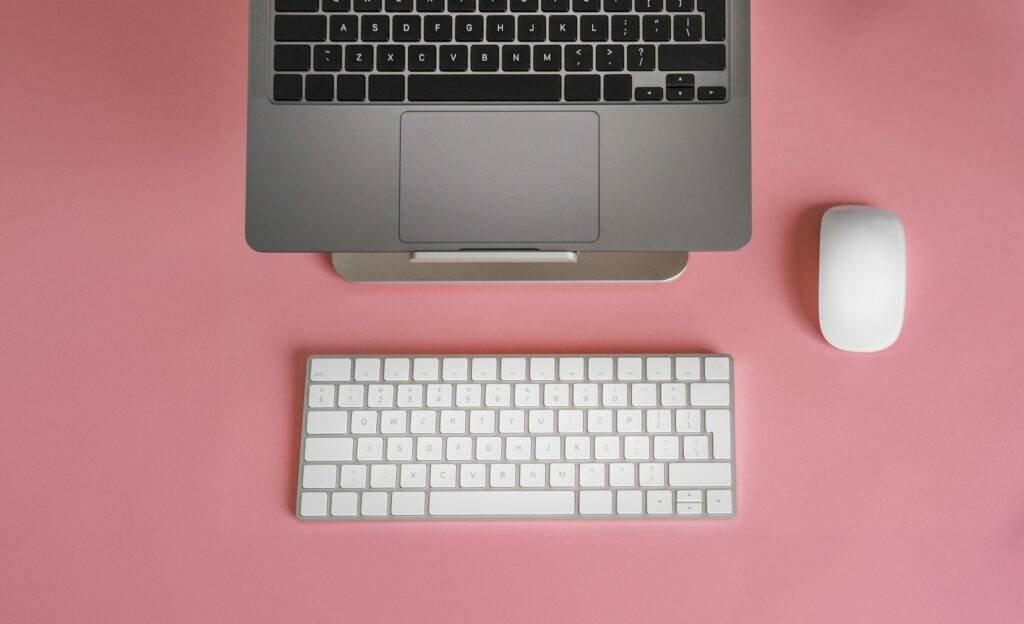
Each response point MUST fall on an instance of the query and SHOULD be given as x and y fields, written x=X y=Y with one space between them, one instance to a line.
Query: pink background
x=151 y=364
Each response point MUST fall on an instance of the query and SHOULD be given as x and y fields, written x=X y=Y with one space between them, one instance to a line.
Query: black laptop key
x=300 y=27
x=351 y=88
x=461 y=6
x=524 y=6
x=429 y=6
x=344 y=28
x=375 y=27
x=287 y=87
x=390 y=58
x=554 y=6
x=437 y=28
x=367 y=6
x=562 y=28
x=611 y=58
x=398 y=6
x=594 y=28
x=483 y=58
x=485 y=88
x=295 y=5
x=649 y=6
x=679 y=94
x=547 y=58
x=532 y=27
x=515 y=58
x=405 y=28
x=679 y=6
x=649 y=94
x=692 y=57
x=714 y=13
x=640 y=58
x=711 y=93
x=291 y=58
x=617 y=6
x=422 y=58
x=579 y=58
x=501 y=28
x=387 y=88
x=657 y=28
x=618 y=88
x=582 y=88
x=319 y=87
x=454 y=58
x=327 y=58
x=625 y=28
x=679 y=80
x=337 y=6
x=493 y=6
x=586 y=6
x=358 y=58
x=469 y=28
x=687 y=27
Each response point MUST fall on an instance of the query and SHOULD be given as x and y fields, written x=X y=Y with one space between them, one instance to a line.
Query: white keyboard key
x=511 y=421
x=367 y=369
x=585 y=395
x=414 y=476
x=350 y=396
x=629 y=421
x=459 y=449
x=659 y=421
x=503 y=475
x=396 y=369
x=328 y=449
x=556 y=395
x=538 y=503
x=453 y=421
x=513 y=369
x=353 y=477
x=442 y=475
x=374 y=504
x=688 y=421
x=488 y=449
x=333 y=421
x=498 y=395
x=630 y=369
x=666 y=447
x=563 y=475
x=716 y=369
x=645 y=395
x=673 y=394
x=344 y=504
x=455 y=369
x=428 y=449
x=659 y=502
x=606 y=447
x=423 y=421
x=313 y=504
x=659 y=368
x=720 y=502
x=592 y=475
x=542 y=421
x=599 y=421
x=425 y=369
x=542 y=369
x=548 y=447
x=330 y=369
x=700 y=474
x=321 y=395
x=364 y=422
x=600 y=369
x=695 y=447
x=319 y=476
x=518 y=448
x=439 y=395
x=709 y=394
x=532 y=476
x=485 y=369
x=383 y=476
x=400 y=449
x=370 y=449
x=596 y=503
x=689 y=509
x=577 y=447
x=393 y=421
x=380 y=395
x=688 y=369
x=408 y=503
x=410 y=395
x=636 y=448
x=527 y=395
x=615 y=395
x=651 y=475
x=629 y=502
x=481 y=421
x=570 y=421
x=467 y=395
x=718 y=424
x=622 y=475
x=689 y=496
x=473 y=476
x=570 y=369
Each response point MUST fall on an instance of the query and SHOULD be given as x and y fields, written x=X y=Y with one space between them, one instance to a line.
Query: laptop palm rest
x=499 y=177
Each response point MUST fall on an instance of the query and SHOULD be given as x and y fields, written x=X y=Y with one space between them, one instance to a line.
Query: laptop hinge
x=493 y=257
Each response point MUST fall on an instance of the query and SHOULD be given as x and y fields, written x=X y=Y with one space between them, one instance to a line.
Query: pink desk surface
x=151 y=364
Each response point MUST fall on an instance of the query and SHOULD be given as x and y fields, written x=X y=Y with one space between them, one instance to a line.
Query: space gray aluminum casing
x=325 y=178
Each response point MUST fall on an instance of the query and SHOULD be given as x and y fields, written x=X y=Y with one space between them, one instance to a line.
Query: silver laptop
x=552 y=125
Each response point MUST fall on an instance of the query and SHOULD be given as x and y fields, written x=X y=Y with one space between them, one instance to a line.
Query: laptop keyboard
x=387 y=51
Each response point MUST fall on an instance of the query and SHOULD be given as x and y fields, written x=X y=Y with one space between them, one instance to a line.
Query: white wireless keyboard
x=517 y=436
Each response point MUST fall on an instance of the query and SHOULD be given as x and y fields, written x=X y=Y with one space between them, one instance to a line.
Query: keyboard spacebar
x=542 y=503
x=485 y=88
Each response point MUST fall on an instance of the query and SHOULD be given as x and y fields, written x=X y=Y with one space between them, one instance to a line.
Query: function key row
x=490 y=6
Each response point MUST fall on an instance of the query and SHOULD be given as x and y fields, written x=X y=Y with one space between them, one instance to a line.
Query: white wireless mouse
x=862 y=278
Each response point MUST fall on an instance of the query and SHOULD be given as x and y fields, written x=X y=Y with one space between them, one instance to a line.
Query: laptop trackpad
x=499 y=177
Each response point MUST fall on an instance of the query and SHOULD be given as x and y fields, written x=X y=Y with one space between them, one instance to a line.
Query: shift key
x=695 y=57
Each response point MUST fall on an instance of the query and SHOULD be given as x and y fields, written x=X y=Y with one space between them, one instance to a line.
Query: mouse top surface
x=862 y=278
